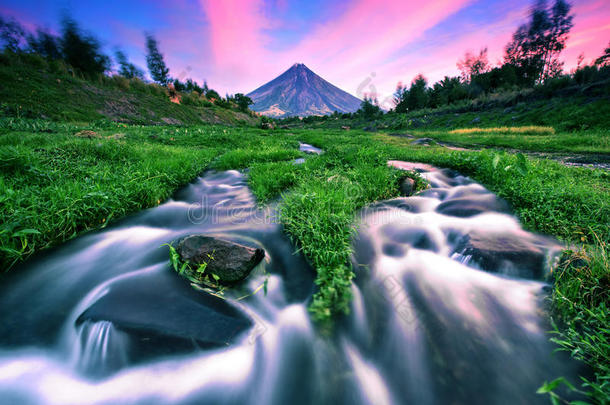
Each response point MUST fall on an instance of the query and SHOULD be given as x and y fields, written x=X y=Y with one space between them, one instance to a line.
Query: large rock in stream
x=520 y=255
x=230 y=261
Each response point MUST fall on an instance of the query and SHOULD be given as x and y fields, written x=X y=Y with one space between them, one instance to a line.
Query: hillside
x=300 y=92
x=31 y=87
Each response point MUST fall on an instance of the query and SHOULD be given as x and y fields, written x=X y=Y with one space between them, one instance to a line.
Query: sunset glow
x=362 y=46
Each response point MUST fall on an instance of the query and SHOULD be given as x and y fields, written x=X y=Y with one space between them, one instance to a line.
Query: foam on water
x=443 y=309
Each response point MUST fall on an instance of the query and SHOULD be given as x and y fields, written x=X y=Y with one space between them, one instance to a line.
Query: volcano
x=300 y=92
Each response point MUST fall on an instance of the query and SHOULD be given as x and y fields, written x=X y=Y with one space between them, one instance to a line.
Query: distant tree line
x=531 y=59
x=82 y=52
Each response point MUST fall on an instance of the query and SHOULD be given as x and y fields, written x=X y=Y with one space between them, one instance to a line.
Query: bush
x=121 y=82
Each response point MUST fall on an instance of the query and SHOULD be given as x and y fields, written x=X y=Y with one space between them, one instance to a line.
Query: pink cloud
x=344 y=50
x=235 y=35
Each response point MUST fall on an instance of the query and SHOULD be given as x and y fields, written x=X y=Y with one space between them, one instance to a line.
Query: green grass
x=55 y=187
x=49 y=90
x=588 y=142
x=575 y=113
x=58 y=185
x=581 y=305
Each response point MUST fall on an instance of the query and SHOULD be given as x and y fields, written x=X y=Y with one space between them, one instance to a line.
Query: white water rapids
x=447 y=308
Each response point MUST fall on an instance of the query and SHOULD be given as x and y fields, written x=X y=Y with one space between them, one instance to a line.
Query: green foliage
x=45 y=44
x=51 y=92
x=82 y=51
x=11 y=34
x=154 y=59
x=369 y=109
x=536 y=45
x=56 y=185
x=580 y=305
x=126 y=68
x=243 y=102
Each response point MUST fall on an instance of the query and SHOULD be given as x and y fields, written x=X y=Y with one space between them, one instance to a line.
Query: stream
x=447 y=308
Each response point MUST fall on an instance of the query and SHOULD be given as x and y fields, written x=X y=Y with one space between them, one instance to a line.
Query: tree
x=242 y=101
x=418 y=98
x=369 y=108
x=447 y=91
x=126 y=68
x=11 y=34
x=45 y=44
x=535 y=46
x=192 y=85
x=156 y=65
x=604 y=60
x=473 y=65
x=400 y=98
x=212 y=95
x=82 y=51
x=178 y=85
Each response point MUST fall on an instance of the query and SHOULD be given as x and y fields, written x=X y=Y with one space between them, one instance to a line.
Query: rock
x=345 y=127
x=513 y=255
x=472 y=205
x=424 y=141
x=230 y=261
x=476 y=120
x=268 y=125
x=162 y=315
x=402 y=135
x=407 y=186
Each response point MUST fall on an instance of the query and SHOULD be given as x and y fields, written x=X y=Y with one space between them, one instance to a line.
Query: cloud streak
x=238 y=45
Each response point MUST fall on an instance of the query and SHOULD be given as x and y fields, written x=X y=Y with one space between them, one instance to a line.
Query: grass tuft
x=525 y=130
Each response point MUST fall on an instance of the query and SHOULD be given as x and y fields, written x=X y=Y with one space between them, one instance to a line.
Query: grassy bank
x=61 y=181
x=595 y=142
x=52 y=90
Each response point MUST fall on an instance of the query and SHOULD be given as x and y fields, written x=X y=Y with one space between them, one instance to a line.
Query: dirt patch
x=171 y=121
x=87 y=134
x=120 y=108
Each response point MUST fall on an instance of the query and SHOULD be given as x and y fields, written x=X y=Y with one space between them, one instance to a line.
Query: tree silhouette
x=82 y=51
x=126 y=68
x=156 y=65
x=473 y=65
x=11 y=34
x=604 y=60
x=418 y=98
x=535 y=46
x=45 y=44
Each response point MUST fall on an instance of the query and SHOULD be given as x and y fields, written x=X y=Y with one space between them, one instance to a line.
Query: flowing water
x=447 y=309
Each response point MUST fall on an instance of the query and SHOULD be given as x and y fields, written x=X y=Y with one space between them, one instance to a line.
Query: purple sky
x=362 y=46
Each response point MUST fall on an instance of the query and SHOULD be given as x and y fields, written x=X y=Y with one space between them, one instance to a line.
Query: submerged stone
x=230 y=261
x=407 y=186
x=472 y=205
x=161 y=315
x=506 y=253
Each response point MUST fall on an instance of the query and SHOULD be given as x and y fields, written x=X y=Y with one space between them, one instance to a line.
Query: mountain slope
x=300 y=92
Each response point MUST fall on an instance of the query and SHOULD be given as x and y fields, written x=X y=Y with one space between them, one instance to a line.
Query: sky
x=362 y=46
